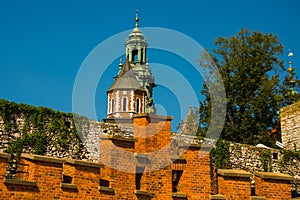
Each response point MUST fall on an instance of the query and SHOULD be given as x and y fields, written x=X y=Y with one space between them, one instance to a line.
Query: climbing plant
x=289 y=155
x=266 y=160
x=220 y=155
x=39 y=124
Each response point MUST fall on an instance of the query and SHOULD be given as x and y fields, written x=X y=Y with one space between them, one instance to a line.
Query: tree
x=251 y=69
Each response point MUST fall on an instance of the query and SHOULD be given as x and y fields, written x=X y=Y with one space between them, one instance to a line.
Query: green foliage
x=288 y=156
x=38 y=141
x=250 y=66
x=36 y=117
x=266 y=159
x=220 y=155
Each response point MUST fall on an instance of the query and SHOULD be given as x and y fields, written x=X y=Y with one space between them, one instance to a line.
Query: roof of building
x=126 y=79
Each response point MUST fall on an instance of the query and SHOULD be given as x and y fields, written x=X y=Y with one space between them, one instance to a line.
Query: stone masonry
x=290 y=126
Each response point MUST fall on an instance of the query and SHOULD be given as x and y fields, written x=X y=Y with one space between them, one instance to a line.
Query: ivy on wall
x=266 y=160
x=40 y=123
x=288 y=156
x=220 y=155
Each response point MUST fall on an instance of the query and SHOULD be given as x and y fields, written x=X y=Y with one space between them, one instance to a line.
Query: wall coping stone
x=258 y=198
x=141 y=192
x=205 y=147
x=141 y=155
x=153 y=117
x=4 y=155
x=83 y=163
x=271 y=175
x=106 y=189
x=179 y=195
x=234 y=173
x=68 y=186
x=180 y=158
x=19 y=182
x=111 y=137
x=217 y=197
x=46 y=159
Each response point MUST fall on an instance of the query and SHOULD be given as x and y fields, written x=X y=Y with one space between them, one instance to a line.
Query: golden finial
x=290 y=69
x=137 y=18
x=292 y=81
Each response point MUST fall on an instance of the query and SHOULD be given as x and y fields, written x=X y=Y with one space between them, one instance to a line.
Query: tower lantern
x=131 y=91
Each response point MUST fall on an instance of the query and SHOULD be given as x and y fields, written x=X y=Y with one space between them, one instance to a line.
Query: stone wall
x=82 y=145
x=242 y=156
x=252 y=158
x=290 y=126
x=73 y=149
x=249 y=158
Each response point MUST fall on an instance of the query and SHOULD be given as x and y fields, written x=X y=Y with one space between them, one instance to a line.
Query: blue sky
x=44 y=42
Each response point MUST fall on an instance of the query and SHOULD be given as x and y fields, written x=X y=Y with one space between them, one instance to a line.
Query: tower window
x=112 y=106
x=142 y=55
x=138 y=106
x=124 y=104
x=134 y=55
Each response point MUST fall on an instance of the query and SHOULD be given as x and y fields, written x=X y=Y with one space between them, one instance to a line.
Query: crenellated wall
x=146 y=162
x=136 y=168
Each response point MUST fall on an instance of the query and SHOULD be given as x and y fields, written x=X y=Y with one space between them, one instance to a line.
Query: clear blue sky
x=44 y=42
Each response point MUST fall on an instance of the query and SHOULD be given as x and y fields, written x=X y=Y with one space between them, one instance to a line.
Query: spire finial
x=137 y=18
x=292 y=74
x=290 y=55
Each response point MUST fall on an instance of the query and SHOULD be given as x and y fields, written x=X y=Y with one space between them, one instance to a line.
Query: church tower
x=131 y=91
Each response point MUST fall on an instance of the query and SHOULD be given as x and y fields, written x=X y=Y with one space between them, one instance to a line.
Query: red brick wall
x=153 y=136
x=195 y=180
x=149 y=149
x=47 y=176
x=234 y=188
x=118 y=156
x=274 y=189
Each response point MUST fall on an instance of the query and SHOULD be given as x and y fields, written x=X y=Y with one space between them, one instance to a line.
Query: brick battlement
x=148 y=166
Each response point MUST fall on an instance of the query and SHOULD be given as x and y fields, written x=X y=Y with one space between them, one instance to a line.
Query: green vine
x=219 y=159
x=38 y=141
x=40 y=125
x=220 y=155
x=266 y=159
x=288 y=156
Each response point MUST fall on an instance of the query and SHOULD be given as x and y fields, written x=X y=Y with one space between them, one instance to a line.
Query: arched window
x=137 y=106
x=124 y=104
x=112 y=106
x=135 y=55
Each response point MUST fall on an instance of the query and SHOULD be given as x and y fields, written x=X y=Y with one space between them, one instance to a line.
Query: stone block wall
x=290 y=126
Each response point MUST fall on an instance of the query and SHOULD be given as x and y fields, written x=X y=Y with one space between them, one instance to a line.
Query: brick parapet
x=273 y=186
x=234 y=184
